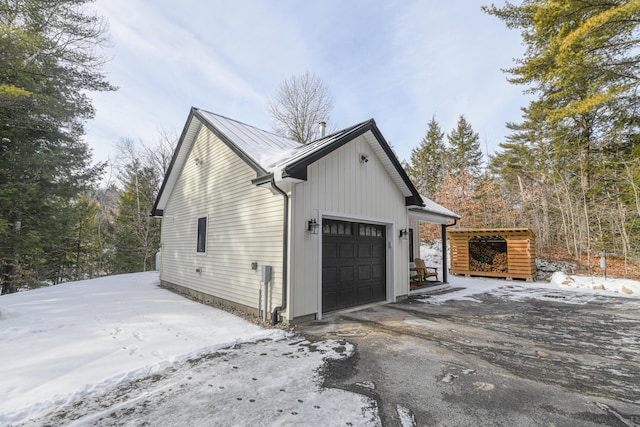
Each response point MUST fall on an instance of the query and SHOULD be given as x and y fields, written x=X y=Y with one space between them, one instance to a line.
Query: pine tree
x=426 y=164
x=48 y=64
x=86 y=256
x=464 y=153
x=137 y=235
x=582 y=63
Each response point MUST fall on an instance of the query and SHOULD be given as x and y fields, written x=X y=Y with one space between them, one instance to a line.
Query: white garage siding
x=244 y=226
x=341 y=186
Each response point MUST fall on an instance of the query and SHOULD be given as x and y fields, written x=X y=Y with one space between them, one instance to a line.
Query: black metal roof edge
x=155 y=211
x=415 y=198
x=217 y=132
x=298 y=169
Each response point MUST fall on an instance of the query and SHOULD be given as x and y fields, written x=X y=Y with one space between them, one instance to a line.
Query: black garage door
x=353 y=264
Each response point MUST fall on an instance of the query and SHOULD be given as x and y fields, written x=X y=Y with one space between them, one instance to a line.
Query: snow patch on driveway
x=273 y=382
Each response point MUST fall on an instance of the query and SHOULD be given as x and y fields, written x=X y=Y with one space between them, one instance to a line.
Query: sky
x=78 y=340
x=398 y=62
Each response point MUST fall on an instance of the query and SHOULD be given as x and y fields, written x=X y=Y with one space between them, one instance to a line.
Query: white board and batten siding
x=244 y=225
x=340 y=186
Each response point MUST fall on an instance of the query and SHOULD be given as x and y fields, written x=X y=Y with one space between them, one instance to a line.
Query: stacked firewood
x=487 y=258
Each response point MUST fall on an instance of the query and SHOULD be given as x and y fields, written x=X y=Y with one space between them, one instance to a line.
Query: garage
x=353 y=264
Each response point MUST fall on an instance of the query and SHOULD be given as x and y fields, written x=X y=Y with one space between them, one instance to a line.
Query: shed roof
x=514 y=231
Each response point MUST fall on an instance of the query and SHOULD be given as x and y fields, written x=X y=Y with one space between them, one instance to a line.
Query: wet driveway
x=502 y=359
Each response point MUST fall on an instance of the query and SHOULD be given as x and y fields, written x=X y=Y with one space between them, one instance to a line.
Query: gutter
x=445 y=267
x=285 y=252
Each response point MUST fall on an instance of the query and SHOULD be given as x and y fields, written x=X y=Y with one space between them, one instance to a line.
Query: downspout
x=445 y=273
x=285 y=253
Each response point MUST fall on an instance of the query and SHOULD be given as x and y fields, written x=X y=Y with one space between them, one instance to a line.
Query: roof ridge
x=345 y=130
x=243 y=124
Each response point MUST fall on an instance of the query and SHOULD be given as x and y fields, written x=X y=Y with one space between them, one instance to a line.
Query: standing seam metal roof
x=263 y=147
x=266 y=151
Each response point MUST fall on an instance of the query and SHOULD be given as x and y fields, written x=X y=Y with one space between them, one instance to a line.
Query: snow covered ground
x=573 y=289
x=570 y=289
x=112 y=335
x=70 y=341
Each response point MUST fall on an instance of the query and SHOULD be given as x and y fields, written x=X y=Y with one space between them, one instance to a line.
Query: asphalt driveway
x=497 y=361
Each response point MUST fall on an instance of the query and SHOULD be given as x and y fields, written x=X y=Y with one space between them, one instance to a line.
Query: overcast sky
x=399 y=62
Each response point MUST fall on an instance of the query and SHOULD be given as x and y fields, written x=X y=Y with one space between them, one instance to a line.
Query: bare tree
x=160 y=153
x=140 y=168
x=155 y=155
x=301 y=103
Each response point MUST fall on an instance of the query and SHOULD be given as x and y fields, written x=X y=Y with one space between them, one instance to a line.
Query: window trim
x=206 y=234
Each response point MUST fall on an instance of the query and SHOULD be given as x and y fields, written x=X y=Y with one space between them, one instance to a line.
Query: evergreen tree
x=48 y=65
x=85 y=259
x=426 y=164
x=582 y=63
x=464 y=153
x=579 y=55
x=137 y=235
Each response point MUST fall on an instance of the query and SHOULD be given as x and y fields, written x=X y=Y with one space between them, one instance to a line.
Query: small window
x=202 y=235
x=336 y=228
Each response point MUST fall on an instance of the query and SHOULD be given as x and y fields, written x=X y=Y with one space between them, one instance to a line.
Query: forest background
x=569 y=170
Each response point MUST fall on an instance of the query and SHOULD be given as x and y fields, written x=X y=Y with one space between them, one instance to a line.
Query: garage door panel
x=377 y=271
x=329 y=275
x=379 y=292
x=364 y=294
x=329 y=250
x=364 y=250
x=346 y=298
x=354 y=260
x=330 y=300
x=346 y=273
x=364 y=272
x=379 y=251
x=346 y=250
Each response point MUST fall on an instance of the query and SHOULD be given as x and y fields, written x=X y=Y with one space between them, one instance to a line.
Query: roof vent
x=322 y=125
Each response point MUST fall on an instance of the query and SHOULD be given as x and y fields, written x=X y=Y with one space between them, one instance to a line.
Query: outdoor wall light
x=364 y=158
x=404 y=233
x=313 y=226
x=198 y=161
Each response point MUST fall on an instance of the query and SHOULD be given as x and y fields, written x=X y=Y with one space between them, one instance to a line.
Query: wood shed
x=493 y=252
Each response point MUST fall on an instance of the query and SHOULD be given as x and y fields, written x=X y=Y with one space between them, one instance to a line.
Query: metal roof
x=265 y=148
x=268 y=153
x=432 y=212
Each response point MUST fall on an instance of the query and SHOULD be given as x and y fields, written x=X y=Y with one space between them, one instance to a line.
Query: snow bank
x=564 y=288
x=623 y=287
x=578 y=289
x=63 y=342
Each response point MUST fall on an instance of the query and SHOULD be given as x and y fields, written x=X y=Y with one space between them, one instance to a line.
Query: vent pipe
x=322 y=125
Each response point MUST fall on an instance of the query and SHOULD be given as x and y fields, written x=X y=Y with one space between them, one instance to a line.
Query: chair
x=423 y=272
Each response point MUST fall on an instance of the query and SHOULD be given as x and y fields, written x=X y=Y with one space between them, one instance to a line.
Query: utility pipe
x=285 y=253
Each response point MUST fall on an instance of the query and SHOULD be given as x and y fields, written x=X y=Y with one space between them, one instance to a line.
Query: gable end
x=185 y=143
x=248 y=160
x=298 y=169
x=190 y=129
